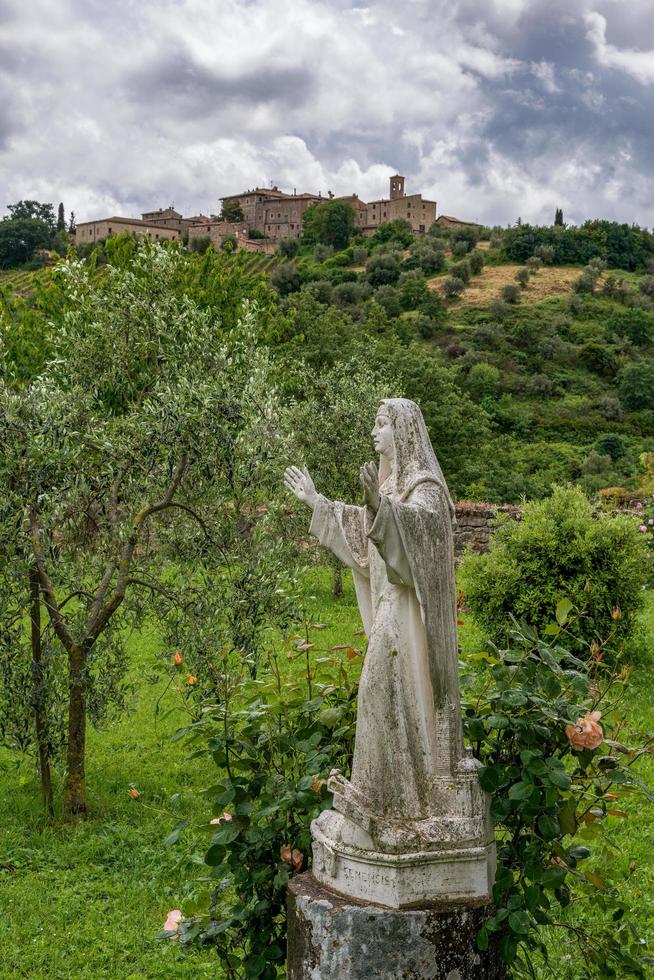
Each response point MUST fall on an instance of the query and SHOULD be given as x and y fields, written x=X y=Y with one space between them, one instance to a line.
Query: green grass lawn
x=86 y=901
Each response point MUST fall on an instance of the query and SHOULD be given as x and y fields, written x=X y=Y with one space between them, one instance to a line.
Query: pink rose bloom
x=587 y=733
x=225 y=816
x=651 y=521
x=643 y=527
x=172 y=922
x=639 y=506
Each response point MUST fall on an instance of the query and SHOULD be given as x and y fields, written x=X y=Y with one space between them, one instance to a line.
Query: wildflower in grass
x=642 y=528
x=191 y=680
x=616 y=613
x=134 y=793
x=587 y=733
x=177 y=659
x=172 y=922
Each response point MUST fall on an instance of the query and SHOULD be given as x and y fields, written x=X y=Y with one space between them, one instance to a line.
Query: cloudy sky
x=495 y=109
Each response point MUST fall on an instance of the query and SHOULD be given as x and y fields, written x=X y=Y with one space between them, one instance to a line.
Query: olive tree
x=149 y=439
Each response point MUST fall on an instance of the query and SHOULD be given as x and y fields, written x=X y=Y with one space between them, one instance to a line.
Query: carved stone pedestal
x=331 y=937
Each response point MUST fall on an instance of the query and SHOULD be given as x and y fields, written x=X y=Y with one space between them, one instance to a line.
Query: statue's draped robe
x=408 y=729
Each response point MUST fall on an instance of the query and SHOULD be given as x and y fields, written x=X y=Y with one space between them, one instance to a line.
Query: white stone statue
x=412 y=824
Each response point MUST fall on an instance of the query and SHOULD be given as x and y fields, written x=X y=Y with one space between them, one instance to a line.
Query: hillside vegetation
x=528 y=374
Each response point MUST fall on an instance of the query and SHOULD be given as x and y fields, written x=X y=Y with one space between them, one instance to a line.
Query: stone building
x=360 y=209
x=282 y=218
x=252 y=204
x=419 y=212
x=272 y=212
x=447 y=221
x=93 y=231
x=169 y=218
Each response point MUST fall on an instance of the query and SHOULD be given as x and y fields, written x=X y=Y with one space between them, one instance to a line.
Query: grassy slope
x=86 y=902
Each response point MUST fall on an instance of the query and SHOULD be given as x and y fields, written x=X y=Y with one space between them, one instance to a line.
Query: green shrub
x=286 y=278
x=289 y=247
x=461 y=270
x=498 y=309
x=453 y=286
x=322 y=252
x=427 y=256
x=426 y=327
x=383 y=270
x=637 y=386
x=483 y=381
x=510 y=293
x=413 y=292
x=599 y=358
x=321 y=289
x=586 y=282
x=389 y=298
x=399 y=231
x=522 y=276
x=200 y=244
x=545 y=253
x=637 y=325
x=347 y=294
x=559 y=548
x=611 y=444
x=476 y=261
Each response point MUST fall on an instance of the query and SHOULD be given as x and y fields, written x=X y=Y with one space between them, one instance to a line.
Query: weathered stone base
x=404 y=881
x=336 y=938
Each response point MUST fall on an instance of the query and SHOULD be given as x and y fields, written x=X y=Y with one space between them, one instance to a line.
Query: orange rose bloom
x=177 y=659
x=134 y=793
x=587 y=733
x=191 y=680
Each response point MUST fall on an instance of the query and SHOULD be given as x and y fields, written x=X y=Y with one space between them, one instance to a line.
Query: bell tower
x=397 y=186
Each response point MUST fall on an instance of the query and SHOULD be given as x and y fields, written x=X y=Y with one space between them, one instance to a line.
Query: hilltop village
x=260 y=218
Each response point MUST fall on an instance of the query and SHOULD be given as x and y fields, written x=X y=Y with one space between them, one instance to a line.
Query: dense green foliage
x=274 y=746
x=560 y=549
x=30 y=225
x=148 y=409
x=621 y=246
x=554 y=800
x=330 y=223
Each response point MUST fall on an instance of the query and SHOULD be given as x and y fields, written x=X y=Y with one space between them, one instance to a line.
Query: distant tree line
x=621 y=246
x=29 y=226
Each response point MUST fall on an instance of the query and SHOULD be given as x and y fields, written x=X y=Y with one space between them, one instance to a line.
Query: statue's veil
x=415 y=459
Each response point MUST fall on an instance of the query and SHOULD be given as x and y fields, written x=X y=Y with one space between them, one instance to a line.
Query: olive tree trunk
x=40 y=714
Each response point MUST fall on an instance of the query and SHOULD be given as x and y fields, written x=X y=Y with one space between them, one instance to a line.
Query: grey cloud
x=119 y=136
x=180 y=86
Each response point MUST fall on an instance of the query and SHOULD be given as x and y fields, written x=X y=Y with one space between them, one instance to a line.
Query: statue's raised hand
x=370 y=483
x=300 y=483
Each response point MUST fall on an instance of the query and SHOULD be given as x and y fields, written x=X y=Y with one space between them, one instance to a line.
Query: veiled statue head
x=401 y=438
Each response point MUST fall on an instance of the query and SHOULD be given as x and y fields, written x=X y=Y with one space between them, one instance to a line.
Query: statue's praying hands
x=300 y=483
x=370 y=482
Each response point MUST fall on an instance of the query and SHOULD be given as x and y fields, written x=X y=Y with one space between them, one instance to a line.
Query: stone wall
x=474 y=528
